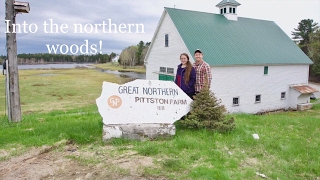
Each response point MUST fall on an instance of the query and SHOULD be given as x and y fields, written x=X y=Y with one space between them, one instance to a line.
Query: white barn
x=256 y=67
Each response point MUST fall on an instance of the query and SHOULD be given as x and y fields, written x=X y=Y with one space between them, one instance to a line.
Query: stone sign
x=141 y=106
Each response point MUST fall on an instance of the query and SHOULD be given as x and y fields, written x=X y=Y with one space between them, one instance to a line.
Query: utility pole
x=12 y=8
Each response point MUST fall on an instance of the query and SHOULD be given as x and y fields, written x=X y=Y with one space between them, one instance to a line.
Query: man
x=203 y=72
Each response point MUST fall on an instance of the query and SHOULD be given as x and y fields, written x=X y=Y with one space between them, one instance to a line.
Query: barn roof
x=303 y=88
x=244 y=42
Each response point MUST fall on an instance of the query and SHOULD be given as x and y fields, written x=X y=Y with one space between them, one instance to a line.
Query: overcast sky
x=285 y=13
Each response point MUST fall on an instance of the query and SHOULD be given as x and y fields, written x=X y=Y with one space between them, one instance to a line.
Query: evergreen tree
x=302 y=33
x=208 y=112
x=139 y=52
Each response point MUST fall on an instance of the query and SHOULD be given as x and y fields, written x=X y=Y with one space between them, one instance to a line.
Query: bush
x=208 y=112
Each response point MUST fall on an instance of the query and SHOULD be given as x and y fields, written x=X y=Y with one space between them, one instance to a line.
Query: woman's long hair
x=187 y=72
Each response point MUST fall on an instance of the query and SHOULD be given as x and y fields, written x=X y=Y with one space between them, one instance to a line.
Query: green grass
x=82 y=126
x=288 y=147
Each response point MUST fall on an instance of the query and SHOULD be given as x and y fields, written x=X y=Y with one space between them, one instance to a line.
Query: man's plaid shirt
x=203 y=75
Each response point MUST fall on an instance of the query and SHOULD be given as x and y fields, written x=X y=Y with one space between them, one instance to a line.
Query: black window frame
x=236 y=101
x=163 y=69
x=170 y=70
x=166 y=40
x=258 y=98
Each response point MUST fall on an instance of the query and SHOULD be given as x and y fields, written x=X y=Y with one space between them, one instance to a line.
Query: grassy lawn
x=57 y=89
x=118 y=67
x=60 y=106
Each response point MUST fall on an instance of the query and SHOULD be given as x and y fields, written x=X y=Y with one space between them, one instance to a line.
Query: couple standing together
x=191 y=79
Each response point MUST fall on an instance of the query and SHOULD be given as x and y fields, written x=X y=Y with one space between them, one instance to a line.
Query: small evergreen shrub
x=208 y=112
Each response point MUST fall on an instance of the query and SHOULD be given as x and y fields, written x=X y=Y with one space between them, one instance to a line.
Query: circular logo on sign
x=114 y=101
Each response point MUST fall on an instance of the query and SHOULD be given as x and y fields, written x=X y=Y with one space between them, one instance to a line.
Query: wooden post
x=14 y=94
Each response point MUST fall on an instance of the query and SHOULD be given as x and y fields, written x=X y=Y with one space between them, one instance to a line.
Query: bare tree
x=128 y=56
x=132 y=55
x=124 y=56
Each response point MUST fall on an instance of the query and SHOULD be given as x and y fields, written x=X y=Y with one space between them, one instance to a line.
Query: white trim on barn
x=160 y=56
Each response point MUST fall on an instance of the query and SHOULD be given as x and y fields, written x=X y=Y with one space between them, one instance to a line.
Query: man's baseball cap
x=198 y=51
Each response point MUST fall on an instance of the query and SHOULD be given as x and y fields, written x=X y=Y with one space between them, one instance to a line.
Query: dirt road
x=72 y=162
x=316 y=86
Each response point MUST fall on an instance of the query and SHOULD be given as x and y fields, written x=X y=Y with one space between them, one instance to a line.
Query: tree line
x=307 y=36
x=43 y=58
x=134 y=55
x=130 y=56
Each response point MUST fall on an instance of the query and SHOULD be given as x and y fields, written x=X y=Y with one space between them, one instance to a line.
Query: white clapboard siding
x=246 y=82
x=161 y=56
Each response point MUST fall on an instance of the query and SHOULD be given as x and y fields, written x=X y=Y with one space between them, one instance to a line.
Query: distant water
x=134 y=75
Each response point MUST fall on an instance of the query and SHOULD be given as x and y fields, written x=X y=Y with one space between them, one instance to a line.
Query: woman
x=186 y=76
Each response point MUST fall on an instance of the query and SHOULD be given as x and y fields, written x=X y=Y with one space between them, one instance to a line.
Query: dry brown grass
x=57 y=89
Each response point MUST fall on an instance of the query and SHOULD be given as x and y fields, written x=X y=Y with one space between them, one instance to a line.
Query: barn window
x=283 y=95
x=166 y=40
x=265 y=70
x=258 y=98
x=230 y=10
x=221 y=11
x=163 y=69
x=170 y=70
x=235 y=101
x=234 y=10
x=224 y=10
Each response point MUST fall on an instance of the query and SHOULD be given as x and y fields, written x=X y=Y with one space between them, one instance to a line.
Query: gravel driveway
x=316 y=86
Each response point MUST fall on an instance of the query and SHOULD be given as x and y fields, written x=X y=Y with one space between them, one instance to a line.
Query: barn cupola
x=228 y=8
